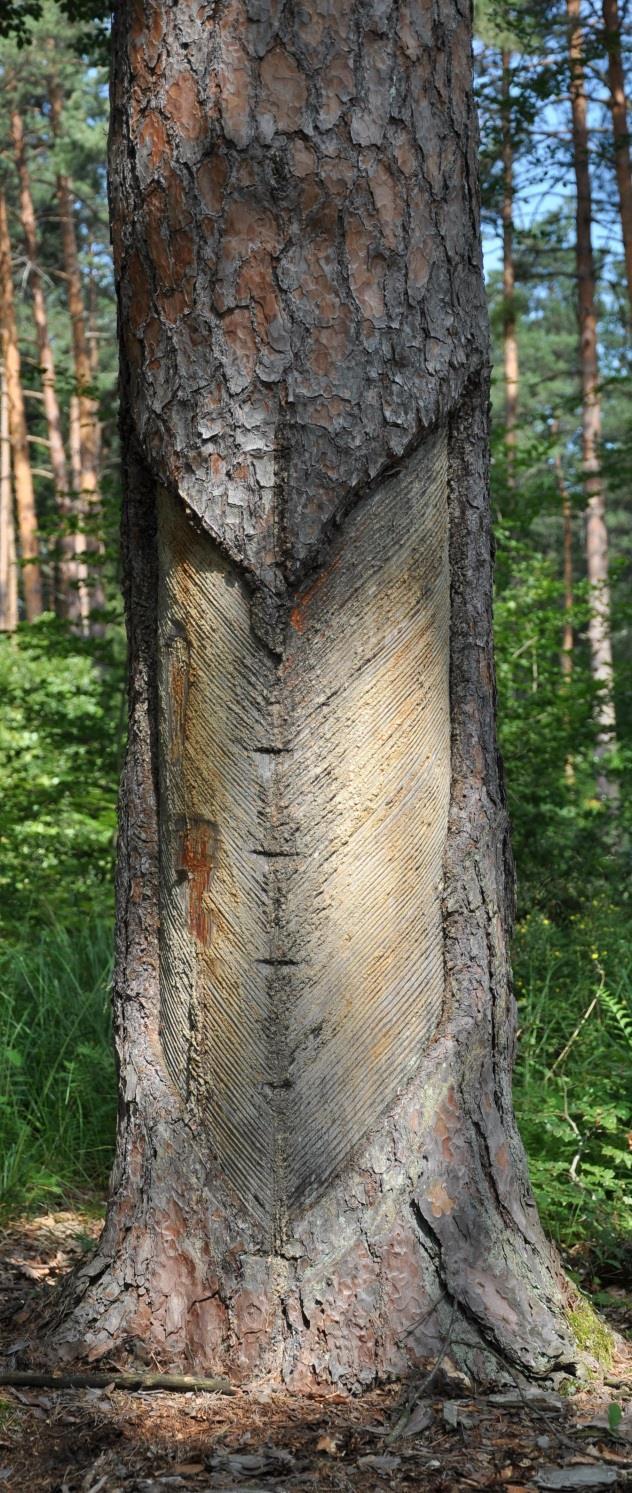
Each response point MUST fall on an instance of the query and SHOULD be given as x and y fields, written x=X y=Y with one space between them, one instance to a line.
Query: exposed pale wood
x=306 y=805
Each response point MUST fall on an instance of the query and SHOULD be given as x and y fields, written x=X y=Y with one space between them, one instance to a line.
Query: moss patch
x=591 y=1333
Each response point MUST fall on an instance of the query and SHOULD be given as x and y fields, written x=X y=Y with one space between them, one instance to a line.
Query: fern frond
x=620 y=1011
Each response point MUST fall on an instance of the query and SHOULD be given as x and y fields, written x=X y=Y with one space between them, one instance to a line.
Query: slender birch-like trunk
x=510 y=340
x=567 y=543
x=621 y=139
x=24 y=491
x=89 y=434
x=568 y=636
x=73 y=594
x=93 y=350
x=74 y=432
x=8 y=559
x=599 y=633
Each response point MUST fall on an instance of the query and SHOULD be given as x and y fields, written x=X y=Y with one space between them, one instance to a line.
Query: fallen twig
x=175 y=1383
x=419 y=1389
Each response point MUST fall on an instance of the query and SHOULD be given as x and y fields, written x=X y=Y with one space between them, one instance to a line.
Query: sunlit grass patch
x=57 y=1084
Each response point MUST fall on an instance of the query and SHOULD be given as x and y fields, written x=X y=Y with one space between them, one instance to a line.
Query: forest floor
x=106 y=1440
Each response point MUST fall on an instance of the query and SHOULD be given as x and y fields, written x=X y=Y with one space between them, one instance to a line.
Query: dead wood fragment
x=175 y=1383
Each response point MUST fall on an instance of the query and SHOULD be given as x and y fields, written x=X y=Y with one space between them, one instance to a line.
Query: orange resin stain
x=198 y=859
x=297 y=614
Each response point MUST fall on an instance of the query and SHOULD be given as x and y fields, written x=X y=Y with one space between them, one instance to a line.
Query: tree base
x=427 y=1248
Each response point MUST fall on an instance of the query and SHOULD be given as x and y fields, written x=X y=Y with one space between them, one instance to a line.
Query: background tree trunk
x=89 y=433
x=24 y=493
x=621 y=139
x=510 y=340
x=599 y=634
x=568 y=636
x=318 y=1176
x=73 y=595
x=567 y=526
x=8 y=562
x=93 y=351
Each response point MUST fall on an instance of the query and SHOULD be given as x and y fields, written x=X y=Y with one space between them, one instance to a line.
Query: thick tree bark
x=8 y=560
x=318 y=1173
x=510 y=340
x=621 y=138
x=73 y=595
x=599 y=634
x=89 y=431
x=24 y=492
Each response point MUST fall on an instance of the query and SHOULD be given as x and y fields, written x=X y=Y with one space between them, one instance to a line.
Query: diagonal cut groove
x=302 y=953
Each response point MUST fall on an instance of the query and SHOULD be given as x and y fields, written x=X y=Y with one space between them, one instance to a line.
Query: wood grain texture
x=304 y=807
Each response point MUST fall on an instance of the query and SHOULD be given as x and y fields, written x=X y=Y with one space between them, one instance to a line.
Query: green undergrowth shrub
x=57 y=1083
x=572 y=953
x=61 y=734
x=61 y=737
x=573 y=1081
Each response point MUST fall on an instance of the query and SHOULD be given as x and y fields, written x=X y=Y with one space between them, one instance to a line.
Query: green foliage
x=573 y=1088
x=57 y=1087
x=621 y=1012
x=61 y=732
x=572 y=949
x=89 y=18
x=546 y=732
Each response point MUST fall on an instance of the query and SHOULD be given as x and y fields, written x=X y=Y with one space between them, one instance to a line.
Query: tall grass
x=57 y=1085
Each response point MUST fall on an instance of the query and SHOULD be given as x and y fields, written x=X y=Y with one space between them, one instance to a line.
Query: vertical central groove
x=303 y=818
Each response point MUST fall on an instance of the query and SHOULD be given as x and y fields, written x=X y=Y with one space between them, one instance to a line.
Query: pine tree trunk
x=8 y=560
x=73 y=595
x=510 y=340
x=24 y=493
x=318 y=1175
x=621 y=139
x=599 y=634
x=89 y=433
